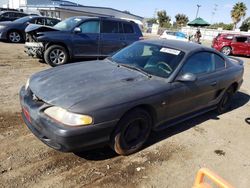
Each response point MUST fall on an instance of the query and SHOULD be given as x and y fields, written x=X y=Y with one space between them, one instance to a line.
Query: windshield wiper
x=111 y=59
x=136 y=68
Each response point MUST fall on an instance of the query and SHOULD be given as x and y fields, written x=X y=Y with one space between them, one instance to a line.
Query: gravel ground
x=171 y=158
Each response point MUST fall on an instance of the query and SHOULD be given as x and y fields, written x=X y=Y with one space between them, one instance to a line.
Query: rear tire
x=226 y=101
x=226 y=50
x=56 y=55
x=14 y=37
x=131 y=132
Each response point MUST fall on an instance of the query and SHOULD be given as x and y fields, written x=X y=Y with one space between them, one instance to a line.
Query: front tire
x=14 y=37
x=56 y=55
x=131 y=132
x=226 y=50
x=226 y=101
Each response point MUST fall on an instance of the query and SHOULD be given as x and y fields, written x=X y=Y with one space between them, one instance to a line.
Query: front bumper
x=59 y=136
x=34 y=49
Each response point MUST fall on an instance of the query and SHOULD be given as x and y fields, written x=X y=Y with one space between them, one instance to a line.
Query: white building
x=63 y=9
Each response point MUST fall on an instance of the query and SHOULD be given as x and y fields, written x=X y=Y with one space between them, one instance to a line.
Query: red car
x=232 y=44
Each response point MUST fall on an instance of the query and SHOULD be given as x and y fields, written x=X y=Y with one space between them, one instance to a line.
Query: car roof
x=104 y=18
x=186 y=47
x=34 y=16
x=234 y=34
x=1 y=12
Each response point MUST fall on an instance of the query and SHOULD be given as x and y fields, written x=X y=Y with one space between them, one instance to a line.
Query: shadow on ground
x=239 y=100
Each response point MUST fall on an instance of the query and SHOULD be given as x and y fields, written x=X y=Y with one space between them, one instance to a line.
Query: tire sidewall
x=50 y=49
x=228 y=93
x=118 y=143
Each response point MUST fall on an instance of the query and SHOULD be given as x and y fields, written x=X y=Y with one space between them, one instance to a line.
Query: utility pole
x=198 y=7
x=213 y=12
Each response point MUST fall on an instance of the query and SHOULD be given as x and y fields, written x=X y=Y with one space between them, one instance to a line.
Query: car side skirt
x=183 y=118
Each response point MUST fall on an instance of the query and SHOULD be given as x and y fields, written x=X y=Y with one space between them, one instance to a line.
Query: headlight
x=68 y=118
x=27 y=84
x=2 y=27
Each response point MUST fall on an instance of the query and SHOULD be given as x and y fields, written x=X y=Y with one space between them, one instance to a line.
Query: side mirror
x=77 y=30
x=187 y=77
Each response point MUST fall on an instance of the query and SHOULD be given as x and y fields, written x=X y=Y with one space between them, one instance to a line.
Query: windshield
x=23 y=19
x=153 y=59
x=67 y=24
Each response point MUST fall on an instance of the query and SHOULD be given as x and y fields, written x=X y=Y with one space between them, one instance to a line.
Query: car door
x=187 y=97
x=129 y=32
x=86 y=42
x=111 y=37
x=240 y=45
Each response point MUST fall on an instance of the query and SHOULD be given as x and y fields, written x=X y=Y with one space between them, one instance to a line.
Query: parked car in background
x=80 y=37
x=232 y=44
x=149 y=85
x=174 y=36
x=11 y=15
x=15 y=31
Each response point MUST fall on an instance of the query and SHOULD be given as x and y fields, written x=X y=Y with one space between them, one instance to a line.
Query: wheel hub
x=57 y=56
x=14 y=37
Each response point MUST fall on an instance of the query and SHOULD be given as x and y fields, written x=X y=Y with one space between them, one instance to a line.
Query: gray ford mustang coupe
x=149 y=85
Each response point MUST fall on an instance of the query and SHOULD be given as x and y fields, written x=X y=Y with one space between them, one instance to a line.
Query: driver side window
x=199 y=63
x=90 y=27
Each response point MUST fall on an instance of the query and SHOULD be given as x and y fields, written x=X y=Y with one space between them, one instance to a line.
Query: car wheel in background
x=226 y=101
x=131 y=132
x=226 y=50
x=14 y=37
x=56 y=55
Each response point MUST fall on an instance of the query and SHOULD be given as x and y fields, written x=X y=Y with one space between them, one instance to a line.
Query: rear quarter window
x=219 y=62
x=128 y=28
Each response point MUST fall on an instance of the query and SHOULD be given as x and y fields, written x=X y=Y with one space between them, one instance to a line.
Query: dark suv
x=11 y=15
x=80 y=37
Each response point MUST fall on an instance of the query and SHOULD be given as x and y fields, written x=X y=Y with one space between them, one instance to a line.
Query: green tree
x=221 y=25
x=238 y=12
x=152 y=20
x=181 y=20
x=164 y=19
x=245 y=26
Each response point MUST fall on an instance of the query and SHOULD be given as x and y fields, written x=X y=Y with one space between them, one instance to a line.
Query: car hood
x=96 y=84
x=38 y=28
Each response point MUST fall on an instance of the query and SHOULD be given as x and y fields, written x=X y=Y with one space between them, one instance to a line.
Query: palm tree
x=181 y=20
x=238 y=12
x=163 y=18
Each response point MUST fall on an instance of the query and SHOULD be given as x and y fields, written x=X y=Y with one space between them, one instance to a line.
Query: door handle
x=213 y=83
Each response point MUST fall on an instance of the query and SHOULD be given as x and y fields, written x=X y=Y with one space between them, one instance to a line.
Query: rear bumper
x=3 y=35
x=58 y=136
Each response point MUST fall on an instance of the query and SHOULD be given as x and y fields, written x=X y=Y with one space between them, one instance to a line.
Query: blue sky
x=147 y=8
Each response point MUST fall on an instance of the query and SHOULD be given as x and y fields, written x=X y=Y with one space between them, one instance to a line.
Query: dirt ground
x=170 y=159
